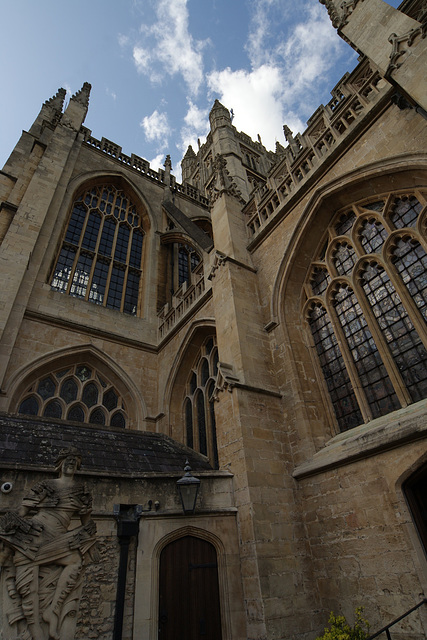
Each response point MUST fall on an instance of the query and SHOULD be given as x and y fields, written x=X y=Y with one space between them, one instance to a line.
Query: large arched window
x=198 y=408
x=78 y=393
x=101 y=254
x=366 y=307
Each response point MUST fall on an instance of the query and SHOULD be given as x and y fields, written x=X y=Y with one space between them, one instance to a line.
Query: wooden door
x=189 y=593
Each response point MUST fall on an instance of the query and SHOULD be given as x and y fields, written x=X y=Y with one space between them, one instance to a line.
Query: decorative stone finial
x=82 y=96
x=57 y=101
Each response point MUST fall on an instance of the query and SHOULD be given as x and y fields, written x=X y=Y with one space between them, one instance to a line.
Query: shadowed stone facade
x=265 y=319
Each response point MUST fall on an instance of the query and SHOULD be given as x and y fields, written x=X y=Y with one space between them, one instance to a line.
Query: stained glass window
x=81 y=396
x=100 y=259
x=370 y=343
x=334 y=370
x=198 y=407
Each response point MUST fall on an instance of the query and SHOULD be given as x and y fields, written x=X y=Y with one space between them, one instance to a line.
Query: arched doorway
x=189 y=607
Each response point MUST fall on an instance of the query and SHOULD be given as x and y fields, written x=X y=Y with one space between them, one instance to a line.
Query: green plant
x=341 y=630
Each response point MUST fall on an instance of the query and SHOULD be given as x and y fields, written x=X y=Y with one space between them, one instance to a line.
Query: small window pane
x=374 y=206
x=405 y=212
x=53 y=409
x=122 y=243
x=193 y=382
x=99 y=281
x=69 y=390
x=410 y=260
x=115 y=290
x=189 y=423
x=372 y=236
x=83 y=373
x=344 y=259
x=319 y=281
x=107 y=237
x=97 y=417
x=118 y=420
x=76 y=414
x=136 y=249
x=81 y=276
x=110 y=400
x=92 y=230
x=63 y=269
x=345 y=223
x=75 y=225
x=29 y=406
x=204 y=372
x=131 y=295
x=201 y=423
x=183 y=271
x=90 y=394
x=209 y=346
x=46 y=388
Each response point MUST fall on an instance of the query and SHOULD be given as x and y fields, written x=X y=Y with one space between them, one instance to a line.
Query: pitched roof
x=28 y=442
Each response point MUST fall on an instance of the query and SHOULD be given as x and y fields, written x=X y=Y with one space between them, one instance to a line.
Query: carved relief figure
x=43 y=559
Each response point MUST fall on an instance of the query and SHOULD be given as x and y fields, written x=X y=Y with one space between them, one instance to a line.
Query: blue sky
x=156 y=67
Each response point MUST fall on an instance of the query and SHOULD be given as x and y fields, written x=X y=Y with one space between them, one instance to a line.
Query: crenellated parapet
x=352 y=98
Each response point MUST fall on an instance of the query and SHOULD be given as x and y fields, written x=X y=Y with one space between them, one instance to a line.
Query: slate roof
x=28 y=442
x=199 y=236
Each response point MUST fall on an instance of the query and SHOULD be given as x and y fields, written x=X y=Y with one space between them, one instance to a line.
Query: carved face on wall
x=70 y=465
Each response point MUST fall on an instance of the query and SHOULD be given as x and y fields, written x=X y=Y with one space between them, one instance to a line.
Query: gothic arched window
x=78 y=393
x=198 y=408
x=366 y=307
x=101 y=254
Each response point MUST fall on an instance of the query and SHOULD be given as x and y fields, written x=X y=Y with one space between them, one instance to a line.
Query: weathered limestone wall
x=362 y=541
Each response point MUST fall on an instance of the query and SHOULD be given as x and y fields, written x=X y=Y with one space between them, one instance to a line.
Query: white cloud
x=157 y=162
x=111 y=93
x=174 y=47
x=256 y=98
x=196 y=127
x=286 y=75
x=156 y=128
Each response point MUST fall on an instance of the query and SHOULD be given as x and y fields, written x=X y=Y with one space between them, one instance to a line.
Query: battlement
x=353 y=97
x=142 y=166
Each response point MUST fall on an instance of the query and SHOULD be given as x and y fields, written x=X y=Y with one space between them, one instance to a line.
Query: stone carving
x=222 y=182
x=226 y=380
x=400 y=46
x=340 y=19
x=42 y=560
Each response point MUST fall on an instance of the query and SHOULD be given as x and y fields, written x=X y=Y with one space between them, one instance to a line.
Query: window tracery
x=198 y=408
x=101 y=254
x=78 y=393
x=366 y=307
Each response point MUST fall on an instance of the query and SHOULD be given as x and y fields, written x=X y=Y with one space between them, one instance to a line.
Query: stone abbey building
x=264 y=320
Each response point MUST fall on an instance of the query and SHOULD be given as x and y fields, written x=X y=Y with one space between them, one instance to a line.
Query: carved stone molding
x=226 y=380
x=400 y=45
x=340 y=18
x=219 y=260
x=222 y=182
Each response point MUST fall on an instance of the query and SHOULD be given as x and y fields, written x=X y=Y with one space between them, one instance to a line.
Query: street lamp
x=188 y=487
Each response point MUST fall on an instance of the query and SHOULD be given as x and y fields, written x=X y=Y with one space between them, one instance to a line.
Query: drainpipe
x=127 y=517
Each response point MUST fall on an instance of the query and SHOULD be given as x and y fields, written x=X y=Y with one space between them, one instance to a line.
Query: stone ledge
x=390 y=431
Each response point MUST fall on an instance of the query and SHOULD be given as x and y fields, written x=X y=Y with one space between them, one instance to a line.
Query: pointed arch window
x=366 y=307
x=79 y=394
x=101 y=255
x=198 y=407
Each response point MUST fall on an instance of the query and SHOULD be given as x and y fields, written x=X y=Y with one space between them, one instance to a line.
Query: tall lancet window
x=198 y=407
x=101 y=254
x=366 y=307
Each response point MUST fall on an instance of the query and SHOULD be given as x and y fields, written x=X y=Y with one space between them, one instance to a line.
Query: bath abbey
x=213 y=393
